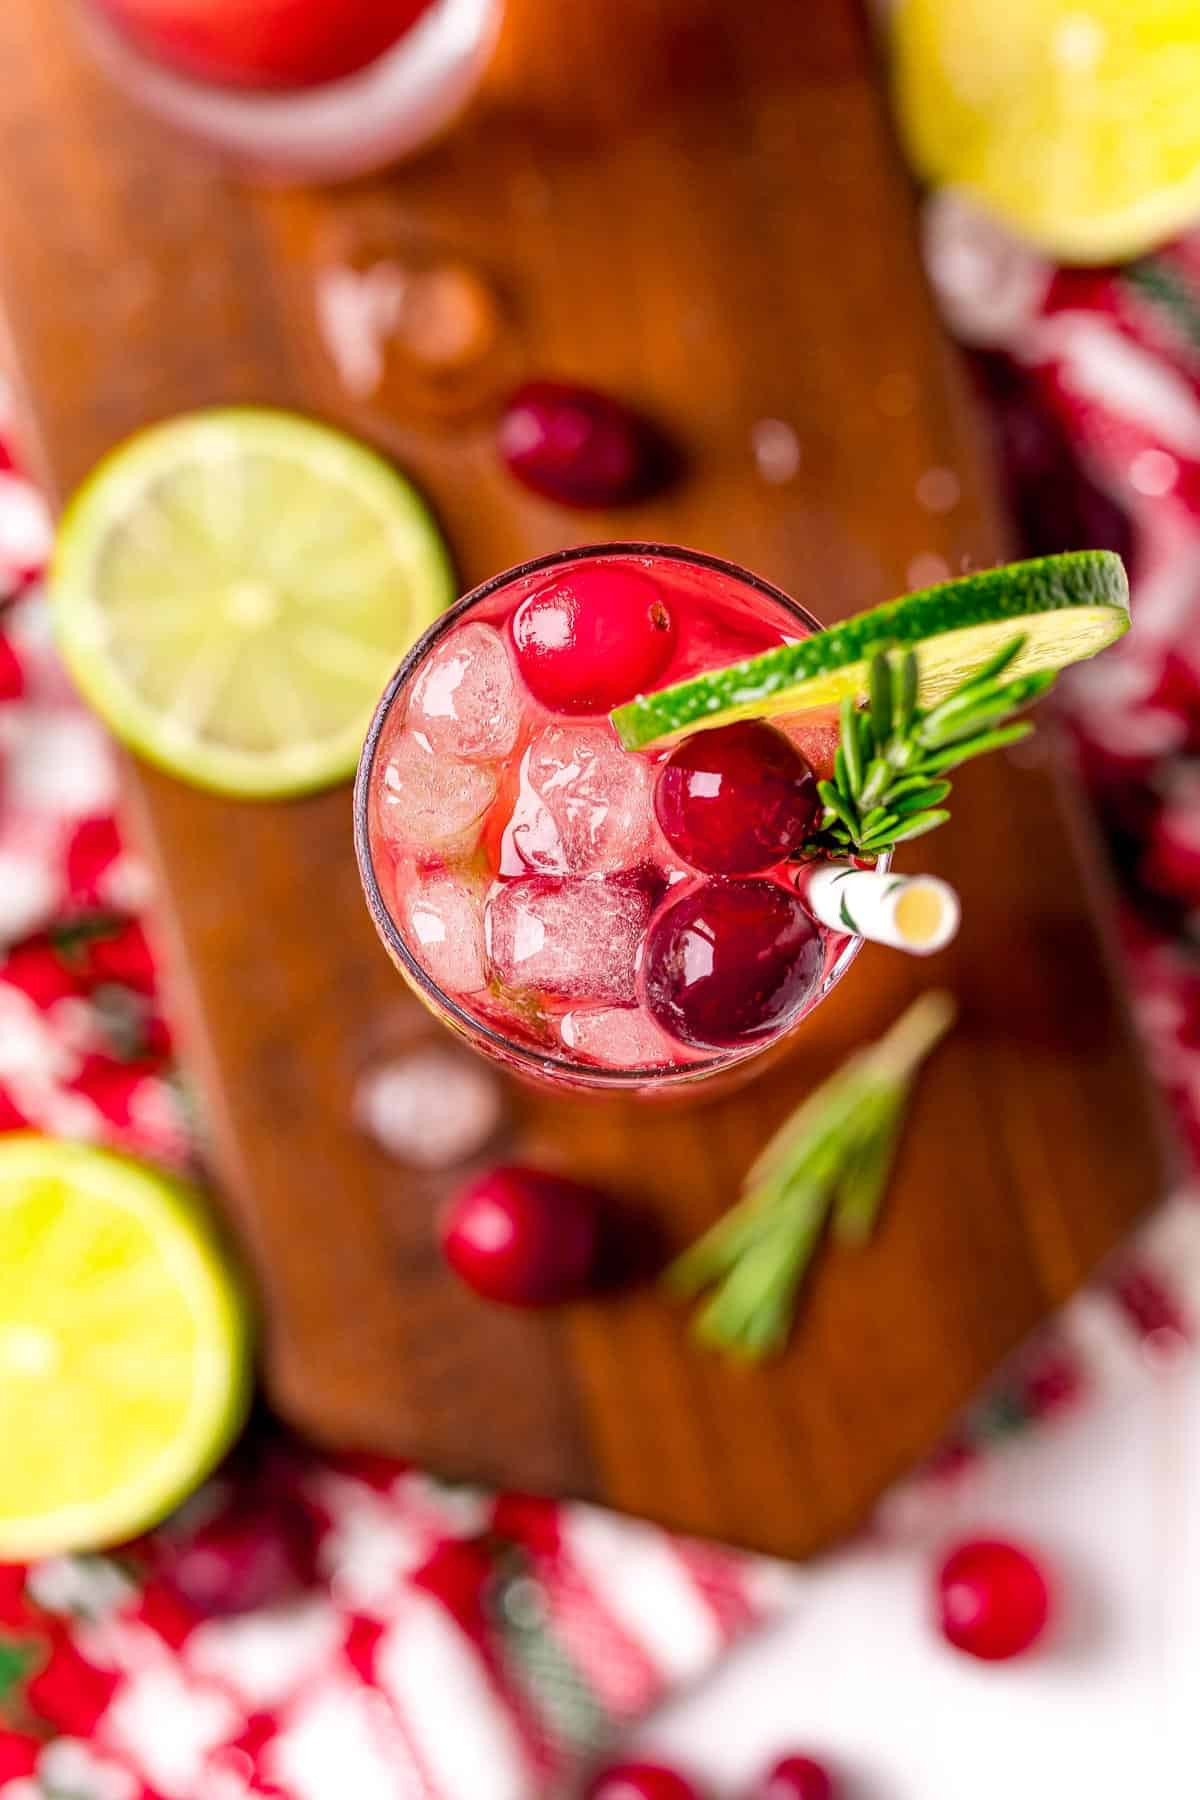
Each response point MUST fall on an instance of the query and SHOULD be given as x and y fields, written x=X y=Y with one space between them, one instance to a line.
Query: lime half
x=1066 y=608
x=1076 y=123
x=232 y=590
x=124 y=1347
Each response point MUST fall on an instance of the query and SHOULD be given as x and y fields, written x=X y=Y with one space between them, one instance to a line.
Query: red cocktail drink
x=588 y=914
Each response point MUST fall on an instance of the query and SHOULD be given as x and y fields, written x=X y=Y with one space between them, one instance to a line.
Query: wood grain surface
x=696 y=204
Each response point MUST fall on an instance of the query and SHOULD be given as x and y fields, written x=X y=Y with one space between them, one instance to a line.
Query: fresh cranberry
x=580 y=448
x=593 y=638
x=266 y=43
x=736 y=800
x=730 y=962
x=524 y=1237
x=795 y=1778
x=640 y=1781
x=246 y=1558
x=993 y=1600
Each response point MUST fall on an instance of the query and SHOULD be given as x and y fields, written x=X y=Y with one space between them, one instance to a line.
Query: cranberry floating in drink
x=731 y=962
x=592 y=637
x=590 y=802
x=325 y=88
x=738 y=800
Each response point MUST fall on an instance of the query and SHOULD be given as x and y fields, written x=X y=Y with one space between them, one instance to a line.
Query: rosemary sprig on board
x=834 y=1155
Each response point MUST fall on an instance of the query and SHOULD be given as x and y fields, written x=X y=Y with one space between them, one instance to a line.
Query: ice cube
x=584 y=805
x=464 y=702
x=576 y=939
x=620 y=1037
x=442 y=919
x=428 y=801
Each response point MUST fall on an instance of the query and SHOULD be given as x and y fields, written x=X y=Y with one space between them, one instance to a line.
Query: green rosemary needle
x=889 y=772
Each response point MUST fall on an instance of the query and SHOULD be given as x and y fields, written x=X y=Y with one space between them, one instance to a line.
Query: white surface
x=1106 y=1709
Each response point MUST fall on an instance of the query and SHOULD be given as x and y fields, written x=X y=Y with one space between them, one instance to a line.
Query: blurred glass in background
x=312 y=88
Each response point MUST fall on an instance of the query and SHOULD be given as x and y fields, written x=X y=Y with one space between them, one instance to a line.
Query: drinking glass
x=459 y=858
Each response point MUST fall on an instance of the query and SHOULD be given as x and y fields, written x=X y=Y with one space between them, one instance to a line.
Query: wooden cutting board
x=697 y=205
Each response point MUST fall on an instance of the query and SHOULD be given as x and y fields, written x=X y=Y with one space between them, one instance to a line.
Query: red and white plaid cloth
x=457 y=1645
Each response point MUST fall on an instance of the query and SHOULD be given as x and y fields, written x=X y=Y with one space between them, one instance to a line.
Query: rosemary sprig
x=832 y=1156
x=889 y=773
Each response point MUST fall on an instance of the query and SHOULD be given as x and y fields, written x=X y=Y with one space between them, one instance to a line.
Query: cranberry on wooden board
x=736 y=800
x=592 y=638
x=578 y=447
x=266 y=43
x=730 y=962
x=795 y=1778
x=993 y=1600
x=524 y=1237
x=641 y=1781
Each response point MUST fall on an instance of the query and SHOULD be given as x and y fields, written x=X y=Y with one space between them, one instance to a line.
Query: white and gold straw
x=917 y=913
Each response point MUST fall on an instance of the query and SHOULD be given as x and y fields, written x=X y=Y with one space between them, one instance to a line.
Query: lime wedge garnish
x=124 y=1347
x=232 y=590
x=1075 y=123
x=1065 y=607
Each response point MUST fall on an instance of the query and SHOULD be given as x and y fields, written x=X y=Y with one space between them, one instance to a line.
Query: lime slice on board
x=233 y=589
x=1077 y=124
x=124 y=1347
x=1066 y=607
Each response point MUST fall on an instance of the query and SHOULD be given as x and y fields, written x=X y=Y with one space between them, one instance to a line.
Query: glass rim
x=545 y=1063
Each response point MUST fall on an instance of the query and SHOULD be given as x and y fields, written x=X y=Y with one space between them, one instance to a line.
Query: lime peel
x=1066 y=608
x=1077 y=126
x=125 y=1347
x=232 y=589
